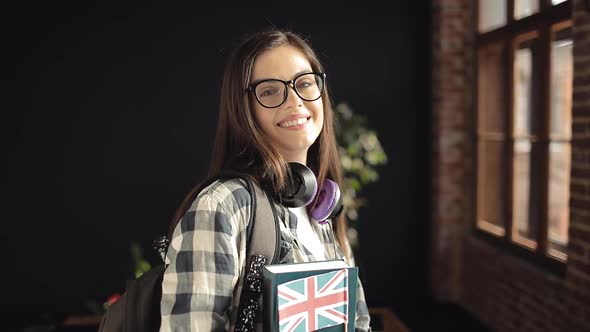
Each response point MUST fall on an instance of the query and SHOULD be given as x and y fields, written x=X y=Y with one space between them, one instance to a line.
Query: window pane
x=525 y=121
x=491 y=102
x=524 y=8
x=559 y=185
x=525 y=166
x=561 y=85
x=524 y=218
x=491 y=186
x=492 y=14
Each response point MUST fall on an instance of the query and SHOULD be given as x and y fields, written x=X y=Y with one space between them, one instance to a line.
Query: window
x=523 y=129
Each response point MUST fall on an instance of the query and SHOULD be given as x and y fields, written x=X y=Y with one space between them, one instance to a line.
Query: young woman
x=274 y=110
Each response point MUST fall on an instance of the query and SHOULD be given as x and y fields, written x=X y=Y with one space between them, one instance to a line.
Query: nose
x=293 y=98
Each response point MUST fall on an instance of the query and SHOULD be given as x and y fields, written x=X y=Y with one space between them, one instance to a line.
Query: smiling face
x=292 y=127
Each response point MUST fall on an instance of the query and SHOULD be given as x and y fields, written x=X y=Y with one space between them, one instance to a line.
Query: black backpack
x=138 y=309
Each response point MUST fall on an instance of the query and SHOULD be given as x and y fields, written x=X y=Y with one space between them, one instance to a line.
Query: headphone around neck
x=302 y=190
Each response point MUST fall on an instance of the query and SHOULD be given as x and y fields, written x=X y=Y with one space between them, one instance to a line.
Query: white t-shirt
x=306 y=235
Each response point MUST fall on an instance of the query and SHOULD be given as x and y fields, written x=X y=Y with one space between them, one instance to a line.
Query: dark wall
x=113 y=123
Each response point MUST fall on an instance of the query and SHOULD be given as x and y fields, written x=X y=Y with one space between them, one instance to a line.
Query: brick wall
x=452 y=49
x=580 y=187
x=503 y=291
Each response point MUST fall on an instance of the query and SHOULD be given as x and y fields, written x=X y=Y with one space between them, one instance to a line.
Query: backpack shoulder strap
x=265 y=235
x=262 y=249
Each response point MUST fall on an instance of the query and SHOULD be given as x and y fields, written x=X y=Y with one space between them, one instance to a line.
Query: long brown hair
x=240 y=144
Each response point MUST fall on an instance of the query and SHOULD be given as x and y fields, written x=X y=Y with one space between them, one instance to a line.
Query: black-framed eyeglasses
x=272 y=93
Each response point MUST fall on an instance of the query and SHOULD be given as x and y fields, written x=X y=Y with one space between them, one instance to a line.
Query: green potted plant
x=361 y=154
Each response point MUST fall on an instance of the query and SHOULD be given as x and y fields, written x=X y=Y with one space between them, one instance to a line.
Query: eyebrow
x=306 y=71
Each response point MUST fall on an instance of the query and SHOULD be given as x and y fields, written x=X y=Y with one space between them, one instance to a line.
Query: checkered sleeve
x=363 y=318
x=362 y=323
x=204 y=261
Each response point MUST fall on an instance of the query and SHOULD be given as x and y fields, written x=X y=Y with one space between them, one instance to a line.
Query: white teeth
x=293 y=122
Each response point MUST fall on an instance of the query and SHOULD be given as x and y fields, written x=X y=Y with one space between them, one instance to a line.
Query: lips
x=293 y=121
x=287 y=124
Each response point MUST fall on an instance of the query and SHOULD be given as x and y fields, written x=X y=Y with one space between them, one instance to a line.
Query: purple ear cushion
x=329 y=194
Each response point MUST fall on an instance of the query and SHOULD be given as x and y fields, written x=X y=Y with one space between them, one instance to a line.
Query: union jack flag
x=314 y=302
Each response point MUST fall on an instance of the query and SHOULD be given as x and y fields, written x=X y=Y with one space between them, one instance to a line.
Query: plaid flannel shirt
x=207 y=260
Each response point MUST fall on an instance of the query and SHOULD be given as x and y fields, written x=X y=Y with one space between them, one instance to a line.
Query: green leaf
x=369 y=175
x=355 y=184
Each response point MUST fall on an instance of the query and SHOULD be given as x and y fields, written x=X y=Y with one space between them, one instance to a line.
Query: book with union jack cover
x=313 y=296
